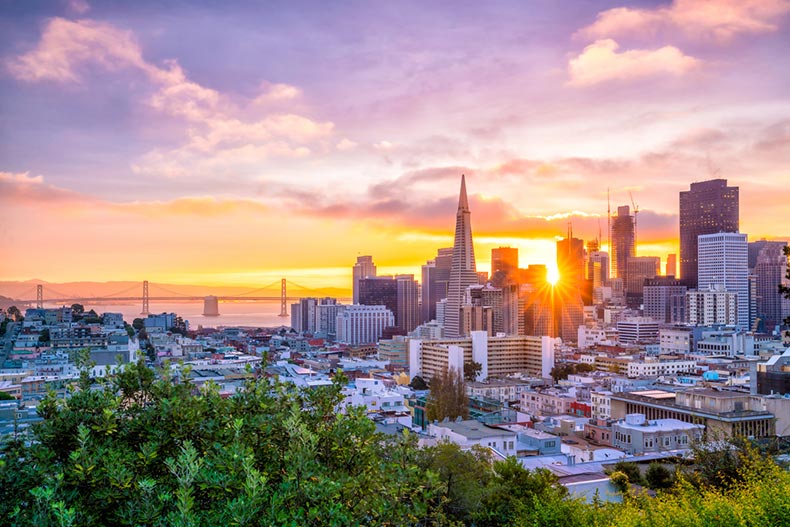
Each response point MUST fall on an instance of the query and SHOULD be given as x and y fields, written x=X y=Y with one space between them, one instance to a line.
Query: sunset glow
x=192 y=143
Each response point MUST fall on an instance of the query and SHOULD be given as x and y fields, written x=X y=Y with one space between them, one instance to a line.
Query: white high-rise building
x=723 y=260
x=712 y=306
x=363 y=324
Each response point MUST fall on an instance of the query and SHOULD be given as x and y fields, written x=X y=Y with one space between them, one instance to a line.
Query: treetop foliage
x=149 y=449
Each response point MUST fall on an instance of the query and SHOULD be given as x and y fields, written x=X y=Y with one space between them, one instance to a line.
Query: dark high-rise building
x=623 y=242
x=770 y=268
x=364 y=268
x=708 y=207
x=435 y=277
x=379 y=291
x=399 y=294
x=638 y=269
x=464 y=271
x=408 y=314
x=570 y=261
x=504 y=265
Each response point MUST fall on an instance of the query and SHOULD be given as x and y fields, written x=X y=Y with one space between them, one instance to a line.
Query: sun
x=553 y=275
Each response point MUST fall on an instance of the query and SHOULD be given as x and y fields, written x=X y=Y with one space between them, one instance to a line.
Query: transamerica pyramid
x=463 y=272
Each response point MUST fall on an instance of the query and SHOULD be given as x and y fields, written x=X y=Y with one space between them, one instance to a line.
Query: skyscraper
x=463 y=272
x=638 y=269
x=672 y=265
x=504 y=265
x=708 y=207
x=598 y=268
x=623 y=246
x=407 y=315
x=435 y=277
x=570 y=261
x=723 y=262
x=770 y=268
x=364 y=268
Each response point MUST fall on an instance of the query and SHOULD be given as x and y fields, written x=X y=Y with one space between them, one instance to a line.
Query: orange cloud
x=719 y=20
x=600 y=62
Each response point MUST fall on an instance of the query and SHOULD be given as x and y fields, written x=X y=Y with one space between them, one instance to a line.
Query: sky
x=237 y=142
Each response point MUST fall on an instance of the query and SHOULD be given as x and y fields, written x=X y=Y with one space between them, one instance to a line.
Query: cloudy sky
x=237 y=142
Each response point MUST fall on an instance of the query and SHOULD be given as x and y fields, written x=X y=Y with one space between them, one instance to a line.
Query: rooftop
x=659 y=425
x=474 y=429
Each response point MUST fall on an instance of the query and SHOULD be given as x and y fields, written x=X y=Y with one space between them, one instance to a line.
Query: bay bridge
x=162 y=294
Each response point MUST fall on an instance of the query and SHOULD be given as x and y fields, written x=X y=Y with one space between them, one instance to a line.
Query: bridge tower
x=145 y=310
x=39 y=296
x=283 y=299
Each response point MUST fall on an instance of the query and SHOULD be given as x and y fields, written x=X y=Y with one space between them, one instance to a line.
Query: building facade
x=723 y=261
x=464 y=271
x=708 y=207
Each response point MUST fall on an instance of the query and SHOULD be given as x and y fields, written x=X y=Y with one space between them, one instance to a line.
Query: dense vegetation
x=149 y=451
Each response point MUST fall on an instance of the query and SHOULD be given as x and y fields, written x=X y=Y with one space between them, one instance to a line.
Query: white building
x=637 y=329
x=359 y=324
x=723 y=259
x=498 y=356
x=601 y=402
x=636 y=435
x=712 y=305
x=375 y=397
x=467 y=434
x=676 y=340
x=589 y=336
x=326 y=318
x=656 y=368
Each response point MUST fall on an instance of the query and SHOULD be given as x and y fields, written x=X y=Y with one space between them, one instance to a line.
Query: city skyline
x=298 y=138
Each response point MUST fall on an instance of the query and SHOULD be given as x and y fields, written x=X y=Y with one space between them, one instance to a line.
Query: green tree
x=43 y=338
x=447 y=396
x=14 y=313
x=138 y=324
x=5 y=396
x=631 y=470
x=77 y=309
x=658 y=477
x=465 y=475
x=471 y=370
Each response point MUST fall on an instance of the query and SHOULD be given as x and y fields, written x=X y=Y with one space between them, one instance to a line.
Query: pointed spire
x=463 y=202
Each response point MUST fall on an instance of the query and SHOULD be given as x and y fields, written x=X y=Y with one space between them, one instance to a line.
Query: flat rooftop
x=655 y=394
x=472 y=429
x=660 y=425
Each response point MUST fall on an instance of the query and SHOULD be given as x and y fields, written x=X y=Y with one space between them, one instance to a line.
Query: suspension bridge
x=162 y=294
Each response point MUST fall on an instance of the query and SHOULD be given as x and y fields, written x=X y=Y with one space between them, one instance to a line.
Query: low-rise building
x=469 y=433
x=637 y=435
x=724 y=414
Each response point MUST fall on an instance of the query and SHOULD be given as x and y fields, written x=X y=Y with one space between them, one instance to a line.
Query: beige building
x=724 y=414
x=498 y=356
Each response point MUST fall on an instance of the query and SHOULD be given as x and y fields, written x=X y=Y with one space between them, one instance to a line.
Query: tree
x=471 y=370
x=14 y=313
x=631 y=471
x=5 y=396
x=418 y=383
x=138 y=324
x=447 y=397
x=43 y=338
x=658 y=476
x=77 y=309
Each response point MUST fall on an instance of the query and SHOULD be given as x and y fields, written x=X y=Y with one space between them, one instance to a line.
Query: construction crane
x=636 y=212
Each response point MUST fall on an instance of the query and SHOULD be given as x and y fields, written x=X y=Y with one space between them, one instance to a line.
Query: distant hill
x=27 y=290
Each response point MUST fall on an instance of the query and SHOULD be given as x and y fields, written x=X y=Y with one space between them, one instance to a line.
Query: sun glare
x=553 y=275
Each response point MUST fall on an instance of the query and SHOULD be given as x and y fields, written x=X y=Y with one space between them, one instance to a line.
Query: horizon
x=299 y=137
